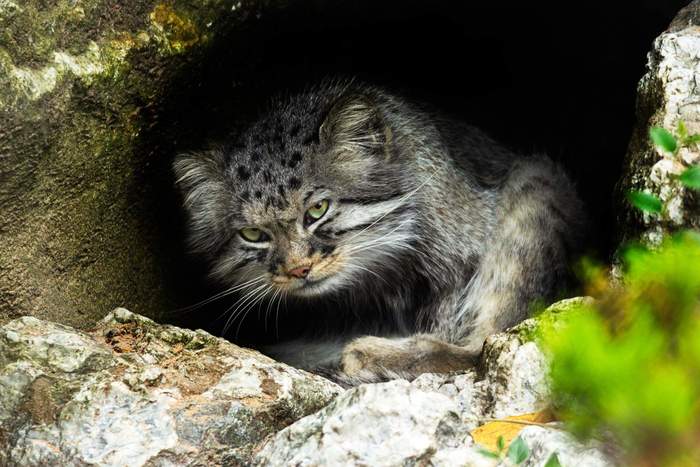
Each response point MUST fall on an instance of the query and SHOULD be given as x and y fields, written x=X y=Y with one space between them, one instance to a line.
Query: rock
x=382 y=424
x=667 y=94
x=132 y=392
x=427 y=421
x=136 y=393
x=512 y=375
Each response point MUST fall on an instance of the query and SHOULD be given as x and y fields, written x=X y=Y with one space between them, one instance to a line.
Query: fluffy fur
x=435 y=235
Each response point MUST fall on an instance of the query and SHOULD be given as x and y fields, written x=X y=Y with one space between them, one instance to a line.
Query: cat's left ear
x=355 y=124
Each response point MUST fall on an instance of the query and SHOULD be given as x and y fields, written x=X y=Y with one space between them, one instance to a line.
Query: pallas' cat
x=415 y=234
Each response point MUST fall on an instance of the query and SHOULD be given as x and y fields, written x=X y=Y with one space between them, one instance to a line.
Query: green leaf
x=691 y=177
x=682 y=130
x=691 y=140
x=518 y=451
x=645 y=201
x=500 y=443
x=553 y=461
x=664 y=139
x=489 y=454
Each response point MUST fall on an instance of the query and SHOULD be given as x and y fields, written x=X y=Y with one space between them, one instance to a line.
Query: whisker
x=270 y=303
x=217 y=296
x=369 y=271
x=395 y=244
x=257 y=301
x=400 y=201
x=380 y=239
x=241 y=302
x=277 y=313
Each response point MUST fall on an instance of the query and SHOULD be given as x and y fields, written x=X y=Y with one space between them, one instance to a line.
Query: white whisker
x=399 y=204
x=245 y=312
x=270 y=303
x=217 y=296
x=241 y=302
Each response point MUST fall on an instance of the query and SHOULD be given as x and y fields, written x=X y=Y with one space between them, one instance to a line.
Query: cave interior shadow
x=542 y=78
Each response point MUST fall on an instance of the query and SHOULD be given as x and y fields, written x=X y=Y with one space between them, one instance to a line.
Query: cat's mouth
x=317 y=282
x=314 y=282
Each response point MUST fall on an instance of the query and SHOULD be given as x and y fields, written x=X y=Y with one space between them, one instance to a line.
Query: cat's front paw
x=368 y=357
x=372 y=358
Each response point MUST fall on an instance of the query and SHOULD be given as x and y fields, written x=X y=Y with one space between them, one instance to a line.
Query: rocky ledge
x=133 y=392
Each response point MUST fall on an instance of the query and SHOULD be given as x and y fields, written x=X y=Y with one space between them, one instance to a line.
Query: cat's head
x=312 y=198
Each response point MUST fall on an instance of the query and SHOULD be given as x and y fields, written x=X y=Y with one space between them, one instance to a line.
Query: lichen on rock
x=132 y=392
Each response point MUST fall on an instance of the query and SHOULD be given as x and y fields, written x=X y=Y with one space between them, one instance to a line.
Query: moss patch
x=531 y=330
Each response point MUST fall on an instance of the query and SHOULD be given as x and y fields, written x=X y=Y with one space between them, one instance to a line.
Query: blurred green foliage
x=628 y=367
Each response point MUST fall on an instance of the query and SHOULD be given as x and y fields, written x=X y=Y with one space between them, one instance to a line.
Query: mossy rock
x=556 y=314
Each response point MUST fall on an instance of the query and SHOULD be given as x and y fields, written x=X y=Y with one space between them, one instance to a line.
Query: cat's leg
x=525 y=260
x=371 y=358
x=539 y=232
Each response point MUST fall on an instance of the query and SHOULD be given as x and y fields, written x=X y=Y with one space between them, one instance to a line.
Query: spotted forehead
x=270 y=161
x=264 y=185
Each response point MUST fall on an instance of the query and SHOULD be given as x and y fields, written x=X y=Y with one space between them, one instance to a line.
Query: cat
x=418 y=232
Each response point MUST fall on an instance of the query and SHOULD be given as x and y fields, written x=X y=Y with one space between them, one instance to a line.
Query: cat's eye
x=252 y=234
x=315 y=212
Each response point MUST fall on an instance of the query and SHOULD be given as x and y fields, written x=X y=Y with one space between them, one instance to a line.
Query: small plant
x=670 y=143
x=517 y=452
x=628 y=368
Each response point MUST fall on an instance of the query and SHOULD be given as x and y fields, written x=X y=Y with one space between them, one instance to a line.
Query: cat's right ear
x=200 y=178
x=355 y=124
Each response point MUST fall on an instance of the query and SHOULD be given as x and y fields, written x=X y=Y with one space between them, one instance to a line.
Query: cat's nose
x=301 y=272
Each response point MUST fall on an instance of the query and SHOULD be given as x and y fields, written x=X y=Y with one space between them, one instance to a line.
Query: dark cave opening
x=543 y=78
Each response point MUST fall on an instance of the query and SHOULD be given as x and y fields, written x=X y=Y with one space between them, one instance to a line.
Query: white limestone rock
x=136 y=393
x=427 y=421
x=382 y=424
x=133 y=392
x=666 y=95
x=512 y=375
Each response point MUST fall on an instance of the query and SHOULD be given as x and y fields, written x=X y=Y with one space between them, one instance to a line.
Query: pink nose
x=300 y=272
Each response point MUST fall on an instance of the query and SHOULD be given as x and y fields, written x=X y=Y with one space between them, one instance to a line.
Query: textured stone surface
x=136 y=393
x=426 y=422
x=512 y=375
x=132 y=392
x=390 y=423
x=667 y=94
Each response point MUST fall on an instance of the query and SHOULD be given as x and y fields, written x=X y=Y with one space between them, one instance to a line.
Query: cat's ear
x=355 y=124
x=193 y=170
x=200 y=178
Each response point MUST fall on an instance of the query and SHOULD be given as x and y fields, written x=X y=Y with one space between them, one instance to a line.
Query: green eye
x=316 y=212
x=253 y=235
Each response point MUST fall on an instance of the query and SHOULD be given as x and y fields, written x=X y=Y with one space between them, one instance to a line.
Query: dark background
x=554 y=78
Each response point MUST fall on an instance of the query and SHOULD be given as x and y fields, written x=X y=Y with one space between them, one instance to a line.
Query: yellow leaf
x=487 y=434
